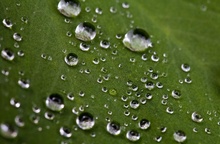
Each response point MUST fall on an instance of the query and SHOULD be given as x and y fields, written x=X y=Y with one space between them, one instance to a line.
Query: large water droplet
x=55 y=102
x=7 y=54
x=137 y=40
x=133 y=135
x=144 y=124
x=85 y=31
x=69 y=8
x=85 y=121
x=196 y=117
x=8 y=131
x=113 y=128
x=71 y=59
x=65 y=132
x=179 y=136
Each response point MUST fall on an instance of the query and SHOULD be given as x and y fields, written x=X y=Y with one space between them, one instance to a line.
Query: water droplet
x=158 y=138
x=95 y=61
x=159 y=85
x=163 y=129
x=98 y=11
x=144 y=57
x=69 y=8
x=20 y=53
x=207 y=130
x=144 y=124
x=85 y=121
x=65 y=132
x=36 y=109
x=149 y=85
x=118 y=36
x=137 y=40
x=176 y=94
x=113 y=10
x=70 y=96
x=125 y=5
x=104 y=44
x=188 y=80
x=133 y=135
x=196 y=117
x=84 y=46
x=24 y=83
x=134 y=104
x=7 y=54
x=7 y=23
x=19 y=121
x=155 y=58
x=169 y=110
x=195 y=130
x=179 y=136
x=24 y=19
x=49 y=115
x=85 y=31
x=55 y=102
x=113 y=128
x=149 y=96
x=17 y=37
x=185 y=67
x=71 y=59
x=8 y=131
x=15 y=103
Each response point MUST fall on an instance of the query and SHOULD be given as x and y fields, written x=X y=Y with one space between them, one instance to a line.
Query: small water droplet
x=84 y=46
x=137 y=40
x=188 y=80
x=15 y=103
x=85 y=31
x=179 y=136
x=155 y=58
x=71 y=59
x=185 y=67
x=24 y=83
x=149 y=96
x=195 y=130
x=49 y=115
x=158 y=138
x=125 y=5
x=55 y=102
x=70 y=96
x=163 y=129
x=7 y=54
x=36 y=109
x=169 y=110
x=133 y=135
x=144 y=124
x=19 y=121
x=65 y=132
x=104 y=44
x=69 y=8
x=85 y=121
x=20 y=53
x=17 y=37
x=8 y=131
x=24 y=19
x=113 y=128
x=134 y=104
x=113 y=10
x=149 y=85
x=207 y=130
x=7 y=23
x=196 y=117
x=176 y=94
x=98 y=11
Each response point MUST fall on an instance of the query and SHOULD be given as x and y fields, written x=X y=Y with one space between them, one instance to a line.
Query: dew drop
x=7 y=54
x=179 y=136
x=144 y=124
x=49 y=115
x=71 y=59
x=196 y=117
x=113 y=10
x=98 y=11
x=188 y=80
x=85 y=121
x=85 y=31
x=158 y=139
x=137 y=40
x=104 y=44
x=24 y=83
x=134 y=104
x=84 y=46
x=207 y=130
x=15 y=103
x=69 y=8
x=17 y=37
x=169 y=110
x=70 y=96
x=113 y=128
x=176 y=94
x=125 y=5
x=55 y=102
x=7 y=23
x=19 y=121
x=185 y=67
x=65 y=132
x=133 y=135
x=149 y=85
x=20 y=53
x=8 y=131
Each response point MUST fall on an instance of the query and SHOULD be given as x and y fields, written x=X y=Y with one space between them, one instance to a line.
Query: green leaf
x=182 y=33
